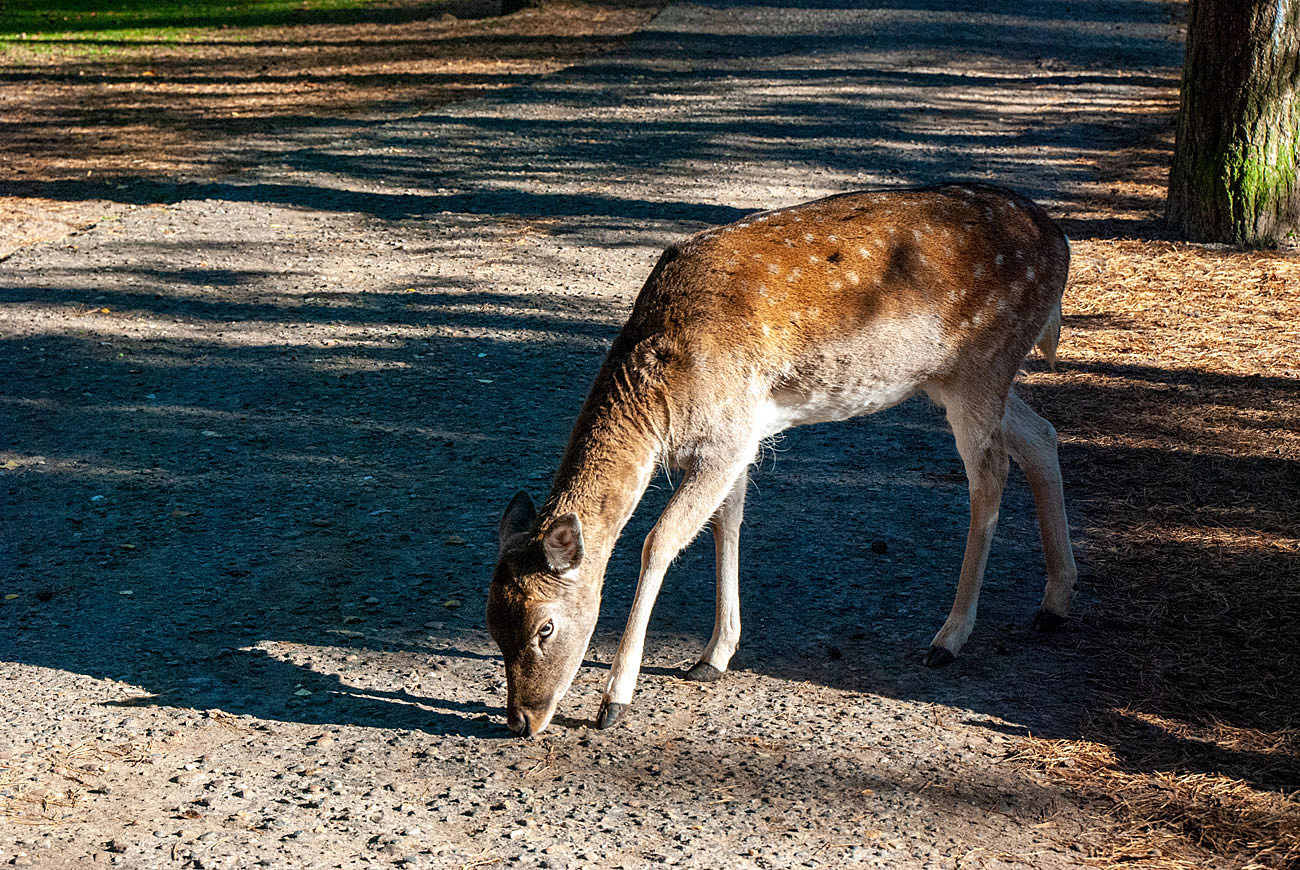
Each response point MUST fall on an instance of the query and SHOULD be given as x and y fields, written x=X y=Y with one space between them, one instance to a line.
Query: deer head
x=540 y=611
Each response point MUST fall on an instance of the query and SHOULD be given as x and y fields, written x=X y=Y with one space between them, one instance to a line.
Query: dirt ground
x=114 y=110
x=259 y=423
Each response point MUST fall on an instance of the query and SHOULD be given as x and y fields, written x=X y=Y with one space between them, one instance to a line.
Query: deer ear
x=519 y=515
x=563 y=544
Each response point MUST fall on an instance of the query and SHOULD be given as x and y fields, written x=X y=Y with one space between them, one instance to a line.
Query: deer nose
x=519 y=723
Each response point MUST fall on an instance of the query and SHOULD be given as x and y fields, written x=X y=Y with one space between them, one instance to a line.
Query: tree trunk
x=1234 y=173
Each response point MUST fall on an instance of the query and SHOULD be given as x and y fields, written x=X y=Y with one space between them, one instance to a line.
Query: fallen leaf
x=11 y=596
x=302 y=692
x=453 y=603
x=181 y=513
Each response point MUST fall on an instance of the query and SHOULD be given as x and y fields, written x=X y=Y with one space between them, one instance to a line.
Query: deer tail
x=1050 y=337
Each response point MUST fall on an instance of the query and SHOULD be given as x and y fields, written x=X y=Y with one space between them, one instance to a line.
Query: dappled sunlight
x=260 y=425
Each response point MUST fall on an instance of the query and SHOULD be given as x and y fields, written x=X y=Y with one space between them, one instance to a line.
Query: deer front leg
x=979 y=441
x=701 y=492
x=726 y=618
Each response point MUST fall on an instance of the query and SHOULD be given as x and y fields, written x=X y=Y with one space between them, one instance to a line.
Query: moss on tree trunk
x=1234 y=173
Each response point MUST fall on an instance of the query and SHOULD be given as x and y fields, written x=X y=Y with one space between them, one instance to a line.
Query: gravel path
x=257 y=434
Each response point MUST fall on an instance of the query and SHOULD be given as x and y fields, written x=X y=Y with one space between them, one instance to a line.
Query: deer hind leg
x=1032 y=443
x=702 y=491
x=978 y=431
x=726 y=620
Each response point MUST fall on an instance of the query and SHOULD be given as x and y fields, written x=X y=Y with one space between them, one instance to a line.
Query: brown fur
x=817 y=312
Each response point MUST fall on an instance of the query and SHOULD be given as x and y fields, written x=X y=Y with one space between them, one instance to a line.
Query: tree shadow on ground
x=213 y=497
x=233 y=516
x=867 y=109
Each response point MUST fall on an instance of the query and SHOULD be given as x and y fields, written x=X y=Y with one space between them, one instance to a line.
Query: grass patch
x=94 y=28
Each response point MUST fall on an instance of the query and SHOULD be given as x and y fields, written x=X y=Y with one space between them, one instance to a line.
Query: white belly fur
x=859 y=375
x=787 y=409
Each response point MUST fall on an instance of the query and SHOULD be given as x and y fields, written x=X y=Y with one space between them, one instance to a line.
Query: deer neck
x=607 y=466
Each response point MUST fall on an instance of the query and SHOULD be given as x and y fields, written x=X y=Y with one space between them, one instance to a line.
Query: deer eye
x=547 y=629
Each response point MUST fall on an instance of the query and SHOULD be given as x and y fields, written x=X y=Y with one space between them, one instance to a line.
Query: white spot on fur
x=812 y=258
x=978 y=270
x=774 y=268
x=837 y=285
x=1029 y=273
x=999 y=259
x=794 y=274
x=1020 y=255
x=976 y=319
x=916 y=234
x=767 y=330
x=809 y=237
x=1001 y=307
x=852 y=277
x=864 y=253
x=988 y=214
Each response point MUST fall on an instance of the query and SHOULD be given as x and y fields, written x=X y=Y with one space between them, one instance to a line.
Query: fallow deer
x=821 y=311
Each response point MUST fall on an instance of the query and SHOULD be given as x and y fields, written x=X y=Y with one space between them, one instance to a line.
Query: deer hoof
x=609 y=713
x=1047 y=621
x=937 y=657
x=704 y=672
